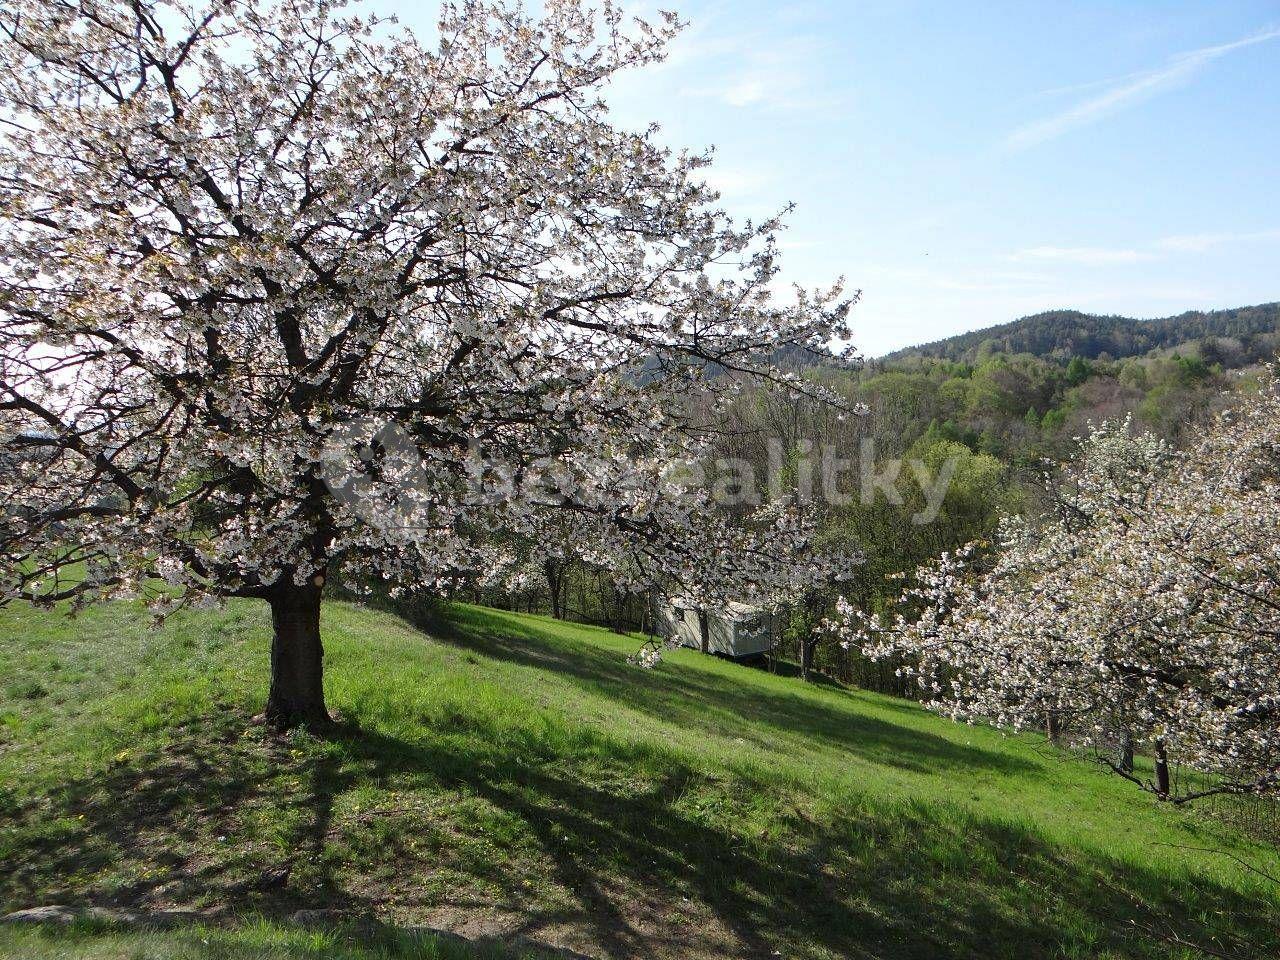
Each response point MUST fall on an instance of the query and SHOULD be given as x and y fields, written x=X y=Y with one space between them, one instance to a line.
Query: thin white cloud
x=779 y=83
x=793 y=246
x=944 y=277
x=1091 y=256
x=1200 y=242
x=989 y=283
x=745 y=92
x=735 y=182
x=1129 y=91
x=768 y=66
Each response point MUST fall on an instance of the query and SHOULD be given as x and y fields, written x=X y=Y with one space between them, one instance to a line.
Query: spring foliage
x=266 y=264
x=1146 y=604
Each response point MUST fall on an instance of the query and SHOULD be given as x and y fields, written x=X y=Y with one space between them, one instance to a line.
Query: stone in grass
x=180 y=917
x=331 y=918
x=54 y=913
x=114 y=916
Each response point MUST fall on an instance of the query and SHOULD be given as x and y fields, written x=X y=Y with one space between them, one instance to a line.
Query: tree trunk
x=297 y=688
x=1053 y=727
x=806 y=658
x=1126 y=751
x=1162 y=771
x=619 y=611
x=555 y=587
x=704 y=630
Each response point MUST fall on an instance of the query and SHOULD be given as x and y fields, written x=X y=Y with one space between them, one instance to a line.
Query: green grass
x=255 y=940
x=511 y=775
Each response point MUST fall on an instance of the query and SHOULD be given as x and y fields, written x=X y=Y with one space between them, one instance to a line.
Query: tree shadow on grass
x=716 y=704
x=258 y=940
x=569 y=844
x=163 y=827
x=910 y=880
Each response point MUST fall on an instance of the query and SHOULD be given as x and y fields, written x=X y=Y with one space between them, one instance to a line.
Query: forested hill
x=1064 y=334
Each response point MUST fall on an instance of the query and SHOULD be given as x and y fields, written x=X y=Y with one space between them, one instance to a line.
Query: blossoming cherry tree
x=284 y=289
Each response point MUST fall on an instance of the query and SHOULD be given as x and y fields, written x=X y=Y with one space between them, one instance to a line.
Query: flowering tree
x=282 y=289
x=1146 y=604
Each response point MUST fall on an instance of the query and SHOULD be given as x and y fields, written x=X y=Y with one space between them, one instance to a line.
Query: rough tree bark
x=1162 y=771
x=555 y=572
x=807 y=646
x=704 y=631
x=1126 y=751
x=297 y=656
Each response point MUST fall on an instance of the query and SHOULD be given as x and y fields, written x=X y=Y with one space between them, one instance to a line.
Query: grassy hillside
x=512 y=775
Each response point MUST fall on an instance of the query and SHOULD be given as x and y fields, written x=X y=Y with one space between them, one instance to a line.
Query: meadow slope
x=508 y=775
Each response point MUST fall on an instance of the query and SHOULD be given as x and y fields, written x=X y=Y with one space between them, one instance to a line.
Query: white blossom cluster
x=1145 y=604
x=650 y=653
x=233 y=229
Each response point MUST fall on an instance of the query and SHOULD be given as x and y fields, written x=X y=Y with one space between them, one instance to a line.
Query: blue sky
x=968 y=163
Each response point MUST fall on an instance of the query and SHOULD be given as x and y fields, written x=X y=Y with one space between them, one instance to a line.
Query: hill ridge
x=1066 y=333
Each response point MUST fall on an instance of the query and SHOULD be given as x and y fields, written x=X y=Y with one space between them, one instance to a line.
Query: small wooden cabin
x=733 y=629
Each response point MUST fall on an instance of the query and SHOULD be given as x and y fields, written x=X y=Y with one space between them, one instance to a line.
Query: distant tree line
x=1001 y=418
x=1062 y=334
